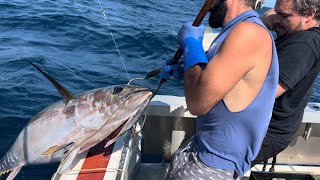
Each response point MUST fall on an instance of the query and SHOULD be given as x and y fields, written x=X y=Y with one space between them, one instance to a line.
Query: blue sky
x=269 y=3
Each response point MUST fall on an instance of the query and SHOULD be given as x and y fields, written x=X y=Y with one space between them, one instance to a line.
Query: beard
x=283 y=34
x=218 y=14
x=298 y=28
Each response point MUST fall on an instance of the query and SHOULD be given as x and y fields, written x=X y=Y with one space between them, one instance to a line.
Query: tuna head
x=134 y=103
x=119 y=108
x=98 y=107
x=125 y=101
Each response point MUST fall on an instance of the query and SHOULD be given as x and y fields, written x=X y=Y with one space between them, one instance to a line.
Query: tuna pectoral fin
x=110 y=142
x=65 y=164
x=14 y=172
x=67 y=161
x=56 y=176
x=57 y=149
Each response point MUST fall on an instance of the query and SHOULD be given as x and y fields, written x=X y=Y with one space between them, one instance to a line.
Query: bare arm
x=281 y=89
x=268 y=19
x=241 y=50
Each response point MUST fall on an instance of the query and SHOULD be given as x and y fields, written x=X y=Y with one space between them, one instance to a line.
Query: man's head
x=218 y=14
x=296 y=15
x=220 y=10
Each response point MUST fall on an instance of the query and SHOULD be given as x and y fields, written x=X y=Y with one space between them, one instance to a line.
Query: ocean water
x=74 y=42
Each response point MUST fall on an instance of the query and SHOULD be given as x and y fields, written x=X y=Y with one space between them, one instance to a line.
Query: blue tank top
x=231 y=140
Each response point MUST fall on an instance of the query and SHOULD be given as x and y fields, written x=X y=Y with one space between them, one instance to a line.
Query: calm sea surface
x=72 y=42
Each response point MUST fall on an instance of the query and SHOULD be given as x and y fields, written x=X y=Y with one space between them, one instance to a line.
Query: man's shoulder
x=304 y=39
x=250 y=32
x=250 y=27
x=309 y=34
x=304 y=36
x=246 y=36
x=314 y=30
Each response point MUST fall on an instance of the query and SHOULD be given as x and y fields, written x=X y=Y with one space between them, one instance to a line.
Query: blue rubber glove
x=190 y=39
x=168 y=69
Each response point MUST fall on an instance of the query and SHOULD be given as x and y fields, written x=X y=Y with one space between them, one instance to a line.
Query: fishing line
x=115 y=43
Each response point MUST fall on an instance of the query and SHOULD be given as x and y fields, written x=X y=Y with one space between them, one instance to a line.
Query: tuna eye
x=117 y=89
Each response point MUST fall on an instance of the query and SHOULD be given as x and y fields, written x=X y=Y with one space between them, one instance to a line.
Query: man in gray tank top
x=227 y=88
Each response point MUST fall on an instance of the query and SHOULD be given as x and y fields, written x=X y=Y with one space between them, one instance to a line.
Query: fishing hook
x=158 y=88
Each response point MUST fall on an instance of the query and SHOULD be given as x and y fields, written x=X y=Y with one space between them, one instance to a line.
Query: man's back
x=247 y=89
x=298 y=52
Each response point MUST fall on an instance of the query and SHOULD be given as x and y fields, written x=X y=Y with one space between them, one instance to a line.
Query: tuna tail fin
x=14 y=172
x=67 y=96
x=65 y=164
x=5 y=172
x=7 y=164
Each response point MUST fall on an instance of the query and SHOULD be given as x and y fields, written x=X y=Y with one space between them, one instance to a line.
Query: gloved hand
x=190 y=39
x=168 y=69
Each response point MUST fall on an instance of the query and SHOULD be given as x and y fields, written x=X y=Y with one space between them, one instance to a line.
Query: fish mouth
x=118 y=130
x=141 y=90
x=147 y=97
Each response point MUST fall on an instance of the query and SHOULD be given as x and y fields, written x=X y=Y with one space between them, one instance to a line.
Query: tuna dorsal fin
x=67 y=96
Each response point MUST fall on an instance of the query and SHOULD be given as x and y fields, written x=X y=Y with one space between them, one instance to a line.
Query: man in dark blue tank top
x=296 y=23
x=231 y=89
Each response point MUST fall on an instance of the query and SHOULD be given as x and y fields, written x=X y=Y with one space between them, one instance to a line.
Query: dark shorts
x=186 y=165
x=269 y=149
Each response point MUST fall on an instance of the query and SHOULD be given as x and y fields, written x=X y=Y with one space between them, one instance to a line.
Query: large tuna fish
x=69 y=127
